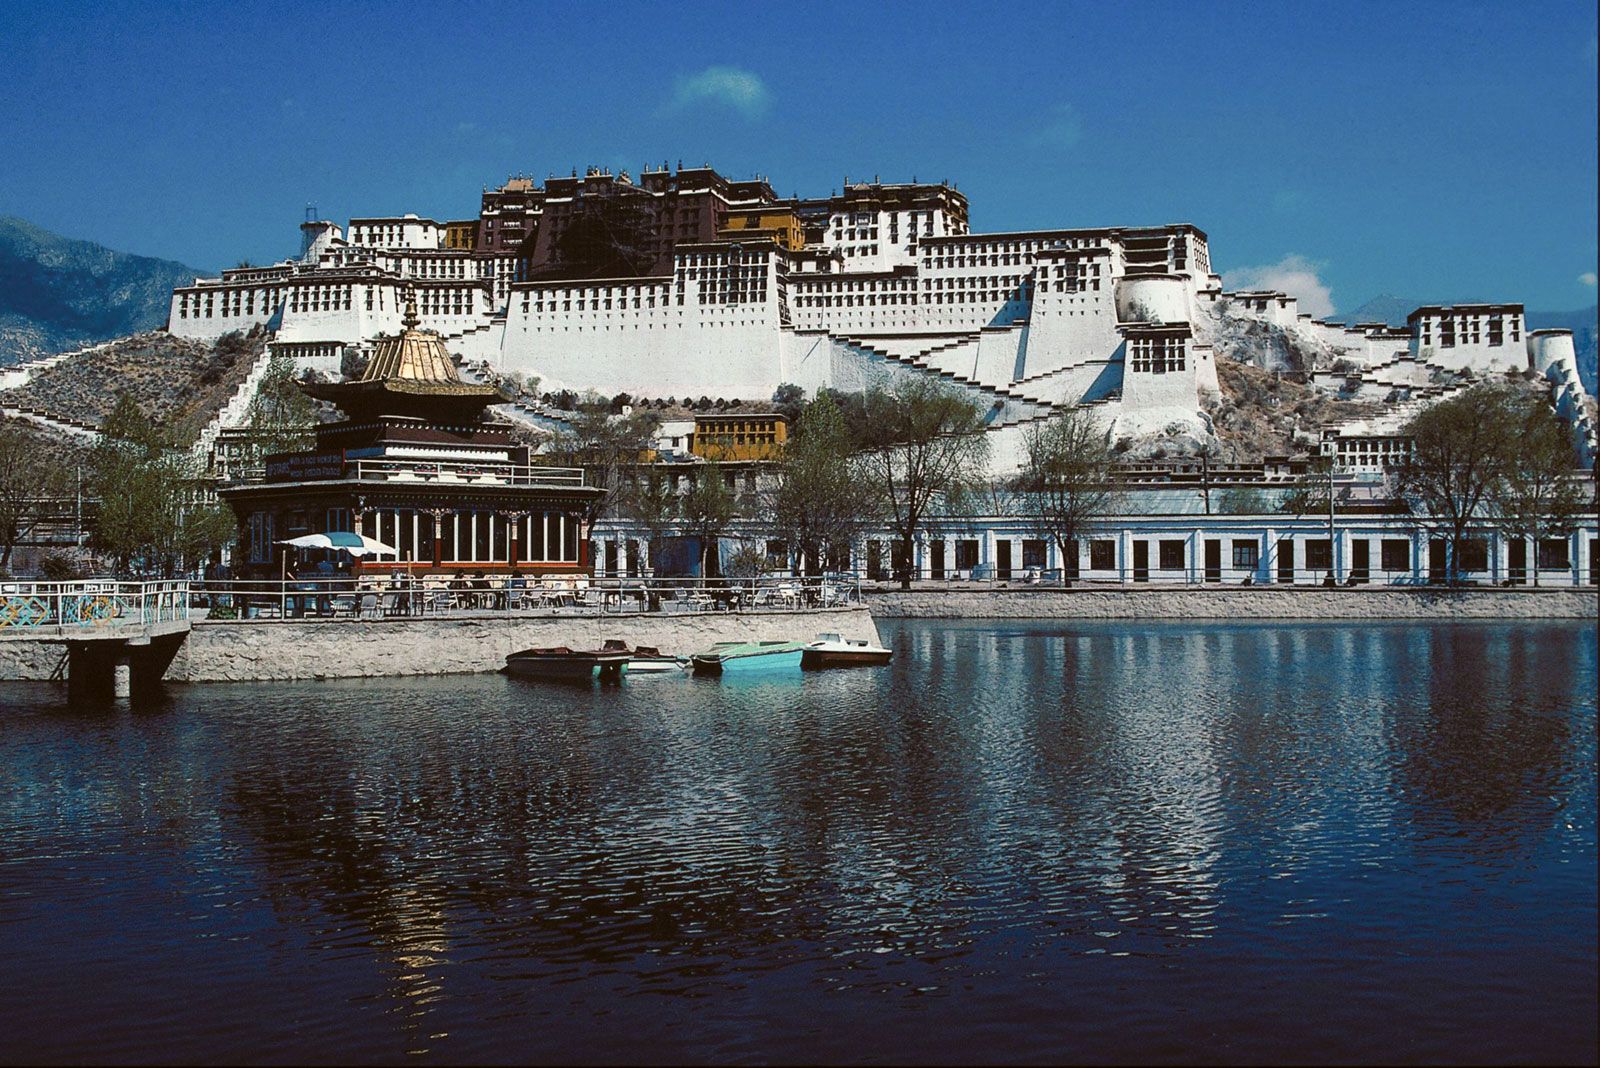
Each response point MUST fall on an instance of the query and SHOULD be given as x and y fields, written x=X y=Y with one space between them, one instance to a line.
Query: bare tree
x=1537 y=495
x=1065 y=482
x=607 y=446
x=1459 y=453
x=925 y=445
x=707 y=510
x=648 y=499
x=819 y=500
x=30 y=475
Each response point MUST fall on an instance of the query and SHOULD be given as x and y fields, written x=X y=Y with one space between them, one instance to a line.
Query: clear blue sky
x=1433 y=151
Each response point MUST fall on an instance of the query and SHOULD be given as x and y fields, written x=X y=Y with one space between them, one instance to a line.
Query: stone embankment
x=299 y=649
x=1236 y=603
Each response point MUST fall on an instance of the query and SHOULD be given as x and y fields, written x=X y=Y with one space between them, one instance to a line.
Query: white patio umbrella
x=343 y=540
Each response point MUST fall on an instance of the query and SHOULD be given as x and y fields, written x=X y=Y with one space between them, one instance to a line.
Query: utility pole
x=1333 y=543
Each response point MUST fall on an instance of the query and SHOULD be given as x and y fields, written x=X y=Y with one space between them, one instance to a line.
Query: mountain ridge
x=57 y=293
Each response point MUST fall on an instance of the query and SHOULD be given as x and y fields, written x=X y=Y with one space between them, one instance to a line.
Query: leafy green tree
x=153 y=514
x=650 y=501
x=789 y=400
x=1537 y=496
x=747 y=561
x=925 y=445
x=281 y=417
x=1065 y=483
x=1460 y=449
x=820 y=499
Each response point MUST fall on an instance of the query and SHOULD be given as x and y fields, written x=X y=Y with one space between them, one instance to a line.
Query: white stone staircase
x=41 y=418
x=19 y=375
x=531 y=414
x=233 y=413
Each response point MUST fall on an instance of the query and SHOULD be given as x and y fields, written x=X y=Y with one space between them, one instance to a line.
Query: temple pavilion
x=417 y=465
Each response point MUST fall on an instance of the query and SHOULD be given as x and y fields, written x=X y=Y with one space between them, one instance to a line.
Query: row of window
x=1394 y=555
x=1159 y=354
x=226 y=303
x=1470 y=330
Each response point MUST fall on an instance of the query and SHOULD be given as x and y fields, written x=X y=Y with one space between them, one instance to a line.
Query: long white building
x=886 y=281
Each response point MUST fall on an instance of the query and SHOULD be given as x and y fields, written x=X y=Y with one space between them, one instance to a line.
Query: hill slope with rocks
x=178 y=382
x=59 y=293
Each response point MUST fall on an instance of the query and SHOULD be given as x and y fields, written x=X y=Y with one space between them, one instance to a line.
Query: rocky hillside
x=57 y=293
x=180 y=382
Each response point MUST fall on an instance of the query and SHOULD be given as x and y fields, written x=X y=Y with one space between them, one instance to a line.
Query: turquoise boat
x=730 y=657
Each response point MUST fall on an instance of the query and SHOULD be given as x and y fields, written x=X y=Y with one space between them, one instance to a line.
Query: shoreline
x=284 y=650
x=1237 y=603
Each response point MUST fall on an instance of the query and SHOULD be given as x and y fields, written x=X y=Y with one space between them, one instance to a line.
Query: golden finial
x=411 y=322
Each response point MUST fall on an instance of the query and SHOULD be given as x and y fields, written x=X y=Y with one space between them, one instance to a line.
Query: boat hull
x=739 y=664
x=819 y=659
x=655 y=666
x=569 y=668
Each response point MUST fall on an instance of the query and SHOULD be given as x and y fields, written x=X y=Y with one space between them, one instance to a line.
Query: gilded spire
x=411 y=322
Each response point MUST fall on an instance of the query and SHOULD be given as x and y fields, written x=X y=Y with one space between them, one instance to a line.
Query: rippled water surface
x=1112 y=842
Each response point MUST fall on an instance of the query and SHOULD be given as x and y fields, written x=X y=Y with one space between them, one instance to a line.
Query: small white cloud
x=1294 y=275
x=1587 y=278
x=741 y=90
x=1061 y=128
x=1287 y=200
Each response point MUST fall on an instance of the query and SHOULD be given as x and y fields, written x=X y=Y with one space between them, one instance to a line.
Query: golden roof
x=415 y=355
x=413 y=363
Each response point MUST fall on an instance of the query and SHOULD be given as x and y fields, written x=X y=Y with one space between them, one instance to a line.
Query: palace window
x=1158 y=354
x=1246 y=554
x=1395 y=554
x=1103 y=555
x=1171 y=555
x=1319 y=554
x=1554 y=554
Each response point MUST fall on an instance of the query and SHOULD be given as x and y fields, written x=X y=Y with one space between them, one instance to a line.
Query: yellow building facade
x=778 y=222
x=742 y=436
x=461 y=235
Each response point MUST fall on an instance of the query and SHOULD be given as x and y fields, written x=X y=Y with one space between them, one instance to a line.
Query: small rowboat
x=648 y=660
x=560 y=662
x=833 y=651
x=738 y=657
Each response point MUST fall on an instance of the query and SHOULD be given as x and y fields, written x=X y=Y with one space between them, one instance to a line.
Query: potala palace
x=684 y=282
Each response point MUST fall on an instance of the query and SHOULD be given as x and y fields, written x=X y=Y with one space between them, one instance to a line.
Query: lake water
x=1123 y=842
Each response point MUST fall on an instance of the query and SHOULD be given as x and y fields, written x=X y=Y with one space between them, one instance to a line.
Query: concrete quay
x=256 y=650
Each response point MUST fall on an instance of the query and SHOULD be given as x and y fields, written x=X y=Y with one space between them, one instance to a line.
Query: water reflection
x=1063 y=830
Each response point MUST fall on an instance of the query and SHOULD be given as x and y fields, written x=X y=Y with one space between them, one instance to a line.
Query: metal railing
x=463 y=472
x=91 y=603
x=989 y=577
x=377 y=596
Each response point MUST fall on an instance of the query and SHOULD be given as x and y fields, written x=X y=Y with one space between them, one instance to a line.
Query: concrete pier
x=241 y=650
